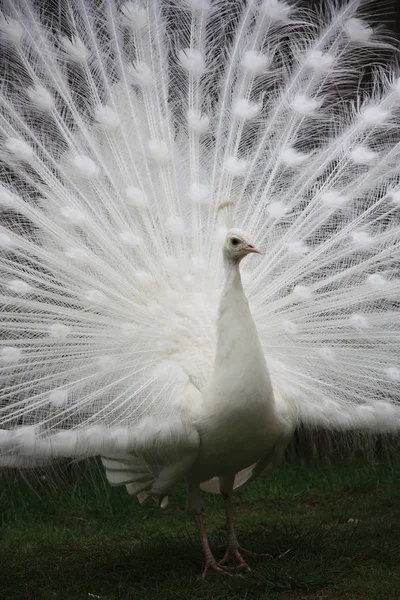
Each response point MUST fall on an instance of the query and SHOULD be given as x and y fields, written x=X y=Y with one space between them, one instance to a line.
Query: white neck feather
x=235 y=323
x=240 y=372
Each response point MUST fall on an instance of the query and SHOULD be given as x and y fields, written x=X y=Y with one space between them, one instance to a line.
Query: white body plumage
x=238 y=423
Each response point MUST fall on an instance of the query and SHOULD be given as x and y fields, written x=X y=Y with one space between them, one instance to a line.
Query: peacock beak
x=252 y=248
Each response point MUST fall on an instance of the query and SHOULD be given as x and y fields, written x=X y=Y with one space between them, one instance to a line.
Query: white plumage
x=133 y=137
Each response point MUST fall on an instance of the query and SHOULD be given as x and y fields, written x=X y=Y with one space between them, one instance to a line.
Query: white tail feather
x=119 y=140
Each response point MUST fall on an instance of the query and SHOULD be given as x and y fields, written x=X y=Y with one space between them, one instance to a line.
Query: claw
x=214 y=567
x=236 y=555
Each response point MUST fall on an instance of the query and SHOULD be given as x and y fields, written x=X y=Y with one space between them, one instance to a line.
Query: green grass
x=333 y=533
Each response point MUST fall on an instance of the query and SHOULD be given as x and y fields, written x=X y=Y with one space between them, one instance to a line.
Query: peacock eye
x=235 y=241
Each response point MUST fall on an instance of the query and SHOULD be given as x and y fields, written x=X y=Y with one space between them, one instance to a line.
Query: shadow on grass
x=333 y=533
x=115 y=566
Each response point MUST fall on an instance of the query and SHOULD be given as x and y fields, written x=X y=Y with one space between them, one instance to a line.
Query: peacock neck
x=241 y=387
x=237 y=337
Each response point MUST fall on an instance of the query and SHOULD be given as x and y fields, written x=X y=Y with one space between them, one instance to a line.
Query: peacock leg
x=233 y=550
x=195 y=505
x=211 y=565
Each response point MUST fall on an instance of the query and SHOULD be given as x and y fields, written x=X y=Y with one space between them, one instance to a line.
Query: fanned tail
x=124 y=129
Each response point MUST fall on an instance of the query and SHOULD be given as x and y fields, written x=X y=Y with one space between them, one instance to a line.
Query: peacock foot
x=235 y=552
x=212 y=566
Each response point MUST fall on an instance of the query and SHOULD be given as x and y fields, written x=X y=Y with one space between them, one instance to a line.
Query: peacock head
x=238 y=245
